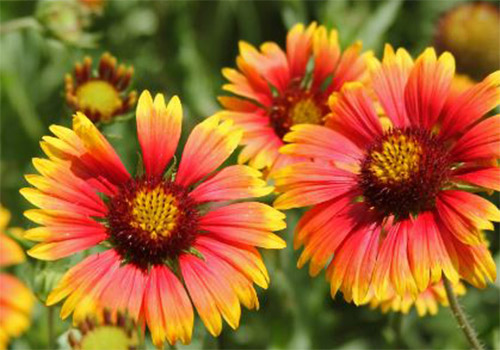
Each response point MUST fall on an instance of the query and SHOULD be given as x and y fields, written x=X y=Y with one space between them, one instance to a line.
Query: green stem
x=461 y=317
x=50 y=327
x=19 y=24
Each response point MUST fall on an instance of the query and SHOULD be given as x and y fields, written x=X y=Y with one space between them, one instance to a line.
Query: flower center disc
x=296 y=106
x=100 y=96
x=151 y=221
x=403 y=171
x=107 y=337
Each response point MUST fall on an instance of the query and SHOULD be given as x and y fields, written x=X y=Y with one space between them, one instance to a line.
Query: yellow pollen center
x=396 y=160
x=306 y=111
x=155 y=211
x=107 y=337
x=100 y=96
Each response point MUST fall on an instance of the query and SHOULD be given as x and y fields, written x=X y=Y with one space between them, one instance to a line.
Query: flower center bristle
x=305 y=111
x=155 y=211
x=403 y=171
x=396 y=160
x=99 y=96
x=151 y=221
x=296 y=106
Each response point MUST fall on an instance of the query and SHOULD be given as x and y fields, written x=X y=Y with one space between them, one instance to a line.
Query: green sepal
x=171 y=171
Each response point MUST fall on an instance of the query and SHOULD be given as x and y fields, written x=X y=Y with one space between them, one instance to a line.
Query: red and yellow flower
x=276 y=90
x=165 y=238
x=392 y=205
x=426 y=302
x=16 y=300
x=102 y=95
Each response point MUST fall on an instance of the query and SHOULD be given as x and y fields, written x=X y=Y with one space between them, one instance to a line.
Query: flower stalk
x=461 y=318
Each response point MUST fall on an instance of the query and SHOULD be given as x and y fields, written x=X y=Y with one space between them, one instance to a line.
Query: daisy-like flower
x=426 y=302
x=166 y=239
x=470 y=31
x=16 y=300
x=393 y=206
x=100 y=95
x=104 y=332
x=276 y=90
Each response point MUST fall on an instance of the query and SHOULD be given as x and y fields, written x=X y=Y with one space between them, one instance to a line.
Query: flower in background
x=470 y=31
x=276 y=90
x=396 y=207
x=94 y=6
x=101 y=95
x=66 y=21
x=166 y=239
x=16 y=300
x=106 y=332
x=426 y=302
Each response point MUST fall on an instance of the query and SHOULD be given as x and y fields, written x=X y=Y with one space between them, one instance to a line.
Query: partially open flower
x=427 y=302
x=116 y=332
x=16 y=300
x=471 y=33
x=101 y=95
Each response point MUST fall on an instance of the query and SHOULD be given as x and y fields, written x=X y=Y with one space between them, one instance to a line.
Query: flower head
x=170 y=231
x=104 y=332
x=277 y=89
x=16 y=300
x=391 y=203
x=470 y=31
x=426 y=302
x=102 y=95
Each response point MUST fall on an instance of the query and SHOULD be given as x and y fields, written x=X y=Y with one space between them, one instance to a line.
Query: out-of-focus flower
x=116 y=332
x=66 y=21
x=395 y=207
x=276 y=90
x=101 y=95
x=471 y=32
x=160 y=226
x=426 y=302
x=94 y=6
x=16 y=300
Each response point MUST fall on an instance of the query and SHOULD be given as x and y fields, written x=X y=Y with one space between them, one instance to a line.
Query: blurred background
x=180 y=47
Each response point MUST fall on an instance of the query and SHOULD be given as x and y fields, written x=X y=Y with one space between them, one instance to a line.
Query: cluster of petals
x=269 y=79
x=16 y=300
x=364 y=247
x=215 y=274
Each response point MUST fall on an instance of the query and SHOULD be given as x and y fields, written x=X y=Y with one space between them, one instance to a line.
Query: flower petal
x=159 y=130
x=353 y=114
x=305 y=184
x=168 y=310
x=463 y=111
x=208 y=146
x=248 y=223
x=428 y=87
x=231 y=183
x=389 y=82
x=211 y=295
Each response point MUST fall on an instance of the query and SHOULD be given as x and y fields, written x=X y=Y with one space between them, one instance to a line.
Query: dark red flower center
x=151 y=221
x=403 y=171
x=297 y=106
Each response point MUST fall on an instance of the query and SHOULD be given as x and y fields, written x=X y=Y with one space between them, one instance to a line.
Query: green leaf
x=372 y=32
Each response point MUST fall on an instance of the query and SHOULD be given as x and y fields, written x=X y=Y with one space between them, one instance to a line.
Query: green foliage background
x=179 y=47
